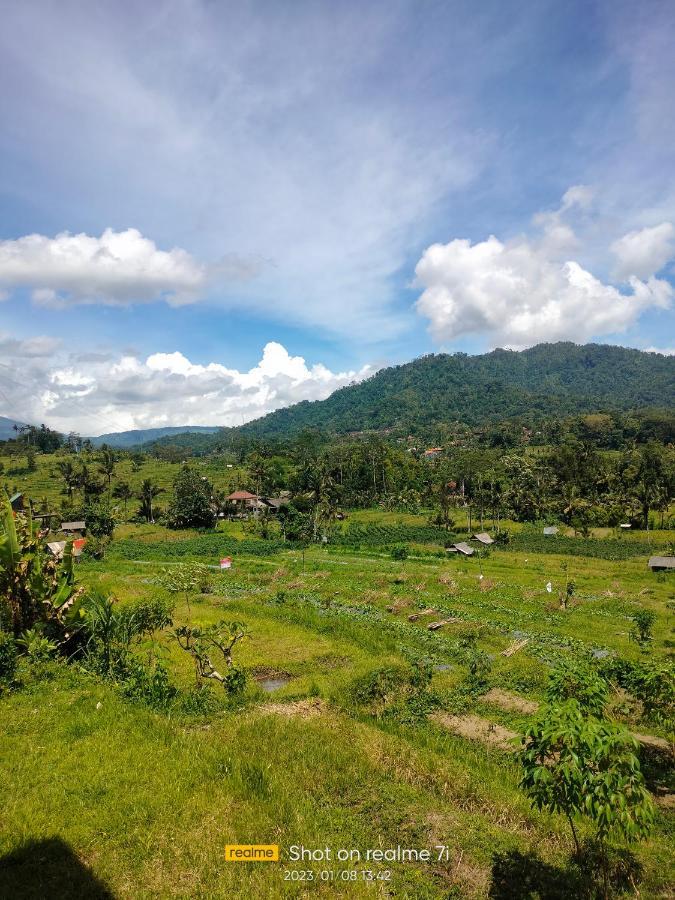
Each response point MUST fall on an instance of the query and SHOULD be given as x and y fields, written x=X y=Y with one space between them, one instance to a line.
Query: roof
x=16 y=496
x=662 y=562
x=56 y=548
x=241 y=495
x=275 y=502
x=73 y=526
x=483 y=537
x=464 y=548
x=551 y=529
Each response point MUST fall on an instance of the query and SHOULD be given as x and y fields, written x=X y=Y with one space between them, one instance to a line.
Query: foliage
x=8 y=657
x=192 y=502
x=99 y=519
x=200 y=643
x=579 y=765
x=574 y=679
x=149 y=684
x=36 y=646
x=32 y=584
x=400 y=553
x=394 y=691
x=643 y=621
x=106 y=632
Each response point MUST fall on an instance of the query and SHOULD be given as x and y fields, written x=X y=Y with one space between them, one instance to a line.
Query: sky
x=211 y=210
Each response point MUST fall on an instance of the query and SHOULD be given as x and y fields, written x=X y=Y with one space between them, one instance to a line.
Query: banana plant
x=33 y=585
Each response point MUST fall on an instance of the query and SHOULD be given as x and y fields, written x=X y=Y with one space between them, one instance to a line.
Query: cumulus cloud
x=164 y=389
x=117 y=268
x=519 y=293
x=645 y=252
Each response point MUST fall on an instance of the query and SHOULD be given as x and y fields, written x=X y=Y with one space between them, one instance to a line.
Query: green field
x=144 y=802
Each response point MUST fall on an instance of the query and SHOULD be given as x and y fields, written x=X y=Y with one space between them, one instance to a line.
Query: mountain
x=7 y=428
x=543 y=381
x=139 y=436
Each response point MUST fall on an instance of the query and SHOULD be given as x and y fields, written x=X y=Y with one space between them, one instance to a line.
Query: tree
x=192 y=505
x=187 y=578
x=579 y=765
x=69 y=475
x=147 y=496
x=122 y=491
x=200 y=644
x=107 y=465
x=643 y=621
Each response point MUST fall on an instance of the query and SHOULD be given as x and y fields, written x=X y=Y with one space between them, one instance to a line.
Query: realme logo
x=252 y=852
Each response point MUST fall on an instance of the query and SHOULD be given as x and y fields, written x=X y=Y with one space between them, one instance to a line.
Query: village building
x=483 y=538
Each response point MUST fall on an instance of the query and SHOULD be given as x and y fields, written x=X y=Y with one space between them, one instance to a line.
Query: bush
x=576 y=680
x=149 y=685
x=7 y=657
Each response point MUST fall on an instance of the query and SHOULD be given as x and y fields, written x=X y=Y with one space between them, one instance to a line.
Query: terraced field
x=146 y=801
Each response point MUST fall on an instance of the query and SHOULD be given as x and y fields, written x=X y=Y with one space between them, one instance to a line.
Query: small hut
x=662 y=563
x=483 y=538
x=551 y=530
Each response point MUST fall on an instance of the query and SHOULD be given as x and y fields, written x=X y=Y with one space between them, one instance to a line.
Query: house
x=550 y=529
x=484 y=538
x=432 y=452
x=16 y=502
x=661 y=563
x=244 y=501
x=74 y=527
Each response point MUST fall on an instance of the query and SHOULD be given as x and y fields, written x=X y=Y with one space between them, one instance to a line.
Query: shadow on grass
x=526 y=876
x=48 y=868
x=518 y=876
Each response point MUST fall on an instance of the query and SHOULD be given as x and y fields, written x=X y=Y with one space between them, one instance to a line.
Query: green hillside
x=546 y=380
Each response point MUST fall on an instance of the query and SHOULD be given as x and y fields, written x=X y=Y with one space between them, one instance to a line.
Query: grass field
x=111 y=796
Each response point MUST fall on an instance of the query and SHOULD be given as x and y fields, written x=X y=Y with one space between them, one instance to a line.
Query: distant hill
x=140 y=436
x=7 y=428
x=546 y=380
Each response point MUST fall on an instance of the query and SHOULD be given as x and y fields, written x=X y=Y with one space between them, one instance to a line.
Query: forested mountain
x=139 y=436
x=547 y=380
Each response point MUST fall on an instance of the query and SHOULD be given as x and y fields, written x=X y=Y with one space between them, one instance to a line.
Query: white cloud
x=645 y=252
x=664 y=351
x=521 y=292
x=164 y=389
x=116 y=268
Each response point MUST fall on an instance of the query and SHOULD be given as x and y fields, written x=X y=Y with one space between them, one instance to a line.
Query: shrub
x=149 y=685
x=7 y=657
x=576 y=680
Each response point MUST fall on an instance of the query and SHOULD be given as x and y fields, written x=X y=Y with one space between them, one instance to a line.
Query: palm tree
x=69 y=475
x=107 y=465
x=147 y=494
x=123 y=492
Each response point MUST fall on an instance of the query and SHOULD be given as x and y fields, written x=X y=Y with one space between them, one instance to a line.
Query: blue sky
x=185 y=183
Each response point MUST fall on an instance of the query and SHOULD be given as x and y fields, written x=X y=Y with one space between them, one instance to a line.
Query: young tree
x=581 y=766
x=200 y=644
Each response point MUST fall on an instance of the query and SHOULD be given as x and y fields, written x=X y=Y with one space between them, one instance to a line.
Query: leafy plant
x=8 y=657
x=643 y=622
x=36 y=646
x=576 y=680
x=33 y=585
x=581 y=766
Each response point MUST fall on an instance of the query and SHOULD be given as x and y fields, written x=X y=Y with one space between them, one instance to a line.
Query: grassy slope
x=149 y=803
